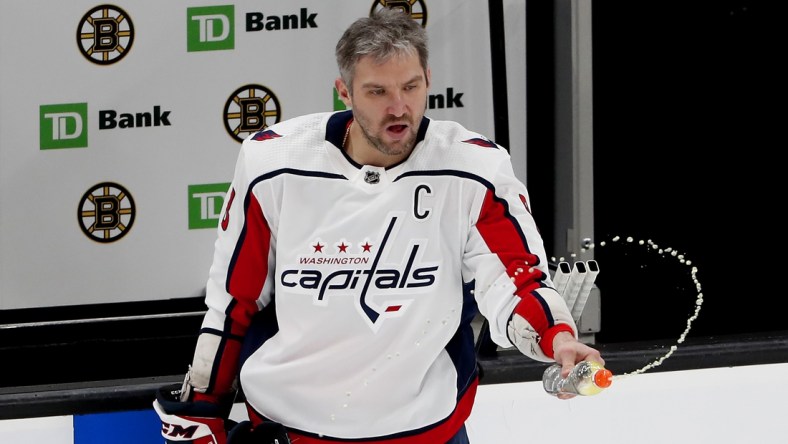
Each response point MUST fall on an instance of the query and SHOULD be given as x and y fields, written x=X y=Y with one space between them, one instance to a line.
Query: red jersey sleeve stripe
x=224 y=372
x=534 y=310
x=504 y=238
x=249 y=267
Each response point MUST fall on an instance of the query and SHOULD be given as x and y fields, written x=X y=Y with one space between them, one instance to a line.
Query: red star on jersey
x=342 y=247
x=366 y=247
x=318 y=248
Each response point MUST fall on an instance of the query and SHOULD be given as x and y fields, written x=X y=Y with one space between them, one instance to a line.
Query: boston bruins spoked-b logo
x=105 y=34
x=249 y=109
x=415 y=8
x=106 y=212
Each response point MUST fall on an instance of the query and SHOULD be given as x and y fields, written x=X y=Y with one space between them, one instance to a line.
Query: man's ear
x=343 y=92
x=429 y=77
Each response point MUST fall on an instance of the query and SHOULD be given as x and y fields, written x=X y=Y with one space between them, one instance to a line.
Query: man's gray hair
x=387 y=33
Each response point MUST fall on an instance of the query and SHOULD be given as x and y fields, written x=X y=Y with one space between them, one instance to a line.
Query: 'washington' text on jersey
x=381 y=279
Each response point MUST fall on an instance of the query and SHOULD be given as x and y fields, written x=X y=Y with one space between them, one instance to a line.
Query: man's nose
x=397 y=106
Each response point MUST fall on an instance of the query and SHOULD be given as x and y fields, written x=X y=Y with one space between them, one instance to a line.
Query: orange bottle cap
x=603 y=378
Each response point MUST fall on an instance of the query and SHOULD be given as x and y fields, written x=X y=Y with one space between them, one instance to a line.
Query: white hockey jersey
x=366 y=281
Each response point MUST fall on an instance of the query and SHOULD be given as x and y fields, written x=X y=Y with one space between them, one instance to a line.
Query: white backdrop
x=55 y=146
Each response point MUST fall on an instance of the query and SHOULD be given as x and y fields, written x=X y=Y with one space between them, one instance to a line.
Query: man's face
x=388 y=102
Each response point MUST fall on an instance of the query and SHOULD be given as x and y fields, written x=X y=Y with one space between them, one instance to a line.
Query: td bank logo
x=205 y=204
x=63 y=126
x=210 y=28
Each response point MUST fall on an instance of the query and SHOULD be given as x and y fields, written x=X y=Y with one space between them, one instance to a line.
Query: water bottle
x=586 y=378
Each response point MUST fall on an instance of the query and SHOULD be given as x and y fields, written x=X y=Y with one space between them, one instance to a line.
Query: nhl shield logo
x=371 y=177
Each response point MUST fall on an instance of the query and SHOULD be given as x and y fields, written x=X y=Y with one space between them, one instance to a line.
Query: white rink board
x=711 y=406
x=53 y=430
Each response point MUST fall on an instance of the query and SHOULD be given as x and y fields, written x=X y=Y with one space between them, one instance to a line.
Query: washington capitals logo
x=265 y=135
x=481 y=141
x=366 y=276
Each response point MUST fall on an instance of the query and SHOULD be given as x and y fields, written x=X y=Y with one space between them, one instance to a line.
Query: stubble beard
x=402 y=147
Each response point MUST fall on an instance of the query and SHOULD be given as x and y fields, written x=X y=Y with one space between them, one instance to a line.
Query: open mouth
x=397 y=131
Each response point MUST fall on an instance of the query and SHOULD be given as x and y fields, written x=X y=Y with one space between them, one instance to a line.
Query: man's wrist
x=554 y=336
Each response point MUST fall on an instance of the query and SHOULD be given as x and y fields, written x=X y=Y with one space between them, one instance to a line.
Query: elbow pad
x=522 y=334
x=538 y=343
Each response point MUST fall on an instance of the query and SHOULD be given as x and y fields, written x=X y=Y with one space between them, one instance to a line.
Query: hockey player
x=354 y=250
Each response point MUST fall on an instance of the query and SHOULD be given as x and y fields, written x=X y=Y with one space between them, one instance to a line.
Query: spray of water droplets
x=667 y=253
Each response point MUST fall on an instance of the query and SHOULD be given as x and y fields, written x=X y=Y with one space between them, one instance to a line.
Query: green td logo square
x=205 y=204
x=210 y=28
x=63 y=126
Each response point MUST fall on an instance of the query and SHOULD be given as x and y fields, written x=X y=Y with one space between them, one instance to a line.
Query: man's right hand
x=188 y=422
